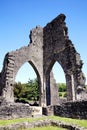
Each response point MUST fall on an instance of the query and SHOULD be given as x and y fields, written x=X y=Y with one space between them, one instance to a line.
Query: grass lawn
x=19 y=120
x=82 y=123
x=62 y=94
x=46 y=128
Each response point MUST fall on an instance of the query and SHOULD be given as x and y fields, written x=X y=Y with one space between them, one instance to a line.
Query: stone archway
x=13 y=61
x=58 y=47
x=37 y=77
x=47 y=45
x=60 y=80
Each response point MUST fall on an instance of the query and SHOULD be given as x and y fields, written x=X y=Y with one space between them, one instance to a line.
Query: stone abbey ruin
x=47 y=45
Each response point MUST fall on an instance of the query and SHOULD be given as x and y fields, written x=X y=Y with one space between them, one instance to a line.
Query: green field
x=79 y=122
x=82 y=123
x=45 y=128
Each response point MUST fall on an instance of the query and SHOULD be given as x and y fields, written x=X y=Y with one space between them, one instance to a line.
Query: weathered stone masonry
x=47 y=45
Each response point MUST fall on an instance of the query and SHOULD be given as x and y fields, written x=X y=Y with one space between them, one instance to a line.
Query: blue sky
x=18 y=17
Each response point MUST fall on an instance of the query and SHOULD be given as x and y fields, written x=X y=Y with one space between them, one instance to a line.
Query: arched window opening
x=60 y=80
x=25 y=73
x=26 y=87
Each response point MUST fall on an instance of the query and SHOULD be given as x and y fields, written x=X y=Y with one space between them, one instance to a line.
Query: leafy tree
x=28 y=91
x=19 y=89
x=32 y=92
x=61 y=87
x=62 y=90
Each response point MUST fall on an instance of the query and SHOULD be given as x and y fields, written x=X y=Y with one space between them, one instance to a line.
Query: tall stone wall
x=33 y=53
x=58 y=47
x=47 y=45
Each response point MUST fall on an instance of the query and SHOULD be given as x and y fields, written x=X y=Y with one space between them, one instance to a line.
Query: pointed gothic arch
x=37 y=76
x=50 y=88
x=25 y=73
x=58 y=72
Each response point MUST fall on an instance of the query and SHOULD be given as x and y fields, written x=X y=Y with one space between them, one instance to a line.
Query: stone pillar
x=8 y=94
x=70 y=83
x=73 y=87
x=69 y=88
x=53 y=90
x=8 y=78
x=48 y=93
x=43 y=93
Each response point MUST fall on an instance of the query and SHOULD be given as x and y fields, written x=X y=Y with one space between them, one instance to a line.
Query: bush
x=65 y=95
x=61 y=87
x=60 y=94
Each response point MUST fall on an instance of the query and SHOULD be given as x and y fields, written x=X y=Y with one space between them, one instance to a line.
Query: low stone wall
x=15 y=111
x=76 y=109
x=40 y=124
x=48 y=111
x=68 y=109
x=19 y=110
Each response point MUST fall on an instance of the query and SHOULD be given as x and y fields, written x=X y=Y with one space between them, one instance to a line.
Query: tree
x=32 y=85
x=28 y=91
x=19 y=89
x=62 y=90
x=61 y=87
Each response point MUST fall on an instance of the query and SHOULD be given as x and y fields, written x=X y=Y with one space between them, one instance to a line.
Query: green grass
x=46 y=128
x=19 y=120
x=82 y=123
x=62 y=94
